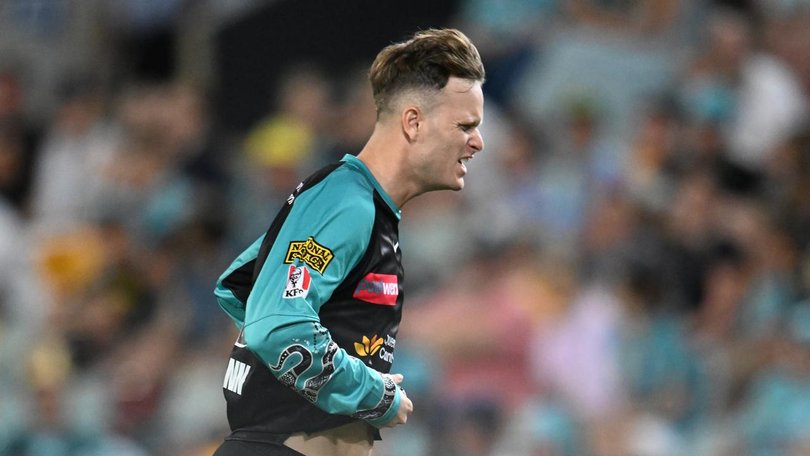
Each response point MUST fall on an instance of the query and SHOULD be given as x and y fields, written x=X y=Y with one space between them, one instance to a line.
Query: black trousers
x=243 y=448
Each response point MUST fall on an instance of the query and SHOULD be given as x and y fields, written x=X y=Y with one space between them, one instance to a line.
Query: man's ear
x=411 y=121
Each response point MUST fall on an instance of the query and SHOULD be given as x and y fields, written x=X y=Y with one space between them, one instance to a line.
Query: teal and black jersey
x=318 y=300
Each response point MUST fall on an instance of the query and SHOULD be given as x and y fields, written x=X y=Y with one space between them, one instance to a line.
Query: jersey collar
x=357 y=163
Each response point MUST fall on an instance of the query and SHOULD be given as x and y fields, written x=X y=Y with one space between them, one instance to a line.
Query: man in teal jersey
x=318 y=297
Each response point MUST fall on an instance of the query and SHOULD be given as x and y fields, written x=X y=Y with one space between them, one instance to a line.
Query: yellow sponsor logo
x=369 y=346
x=310 y=252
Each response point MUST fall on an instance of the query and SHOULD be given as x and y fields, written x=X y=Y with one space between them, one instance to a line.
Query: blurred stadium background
x=626 y=273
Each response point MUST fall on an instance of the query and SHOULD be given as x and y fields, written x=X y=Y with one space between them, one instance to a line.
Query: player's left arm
x=319 y=244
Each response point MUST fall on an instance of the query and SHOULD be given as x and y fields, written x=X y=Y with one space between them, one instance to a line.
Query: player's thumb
x=397 y=378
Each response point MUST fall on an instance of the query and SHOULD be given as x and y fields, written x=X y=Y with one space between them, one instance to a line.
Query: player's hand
x=405 y=404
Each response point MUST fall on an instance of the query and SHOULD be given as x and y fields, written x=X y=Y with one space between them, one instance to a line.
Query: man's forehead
x=463 y=94
x=460 y=85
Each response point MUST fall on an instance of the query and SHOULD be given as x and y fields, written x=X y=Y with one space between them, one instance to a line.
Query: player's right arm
x=237 y=279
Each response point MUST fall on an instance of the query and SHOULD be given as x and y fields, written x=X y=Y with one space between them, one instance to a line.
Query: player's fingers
x=408 y=404
x=397 y=378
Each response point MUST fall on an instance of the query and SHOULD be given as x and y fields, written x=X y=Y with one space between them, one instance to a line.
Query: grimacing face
x=451 y=135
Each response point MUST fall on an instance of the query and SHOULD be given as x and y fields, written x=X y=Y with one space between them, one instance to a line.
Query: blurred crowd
x=627 y=271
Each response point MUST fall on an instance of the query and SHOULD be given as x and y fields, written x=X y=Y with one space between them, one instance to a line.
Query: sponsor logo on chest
x=376 y=346
x=381 y=289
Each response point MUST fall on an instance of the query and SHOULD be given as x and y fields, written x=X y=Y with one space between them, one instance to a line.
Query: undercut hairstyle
x=423 y=63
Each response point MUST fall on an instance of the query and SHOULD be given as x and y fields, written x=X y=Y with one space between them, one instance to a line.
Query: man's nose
x=477 y=141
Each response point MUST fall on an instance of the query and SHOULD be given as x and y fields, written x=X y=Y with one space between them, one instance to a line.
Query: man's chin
x=458 y=186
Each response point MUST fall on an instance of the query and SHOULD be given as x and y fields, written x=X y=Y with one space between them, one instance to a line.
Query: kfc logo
x=298 y=280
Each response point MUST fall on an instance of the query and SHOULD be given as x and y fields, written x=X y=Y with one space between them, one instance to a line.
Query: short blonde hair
x=424 y=62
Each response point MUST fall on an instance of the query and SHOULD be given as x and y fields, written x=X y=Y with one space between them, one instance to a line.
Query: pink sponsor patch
x=380 y=289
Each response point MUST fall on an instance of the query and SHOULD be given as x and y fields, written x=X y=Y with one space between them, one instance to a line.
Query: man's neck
x=386 y=158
